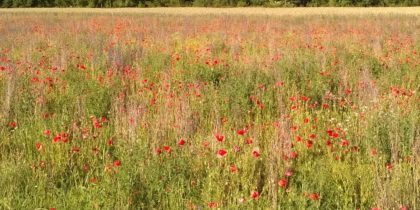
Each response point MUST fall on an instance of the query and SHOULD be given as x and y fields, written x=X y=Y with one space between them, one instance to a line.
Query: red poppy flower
x=259 y=104
x=212 y=205
x=47 y=132
x=56 y=139
x=332 y=134
x=344 y=143
x=64 y=139
x=283 y=183
x=96 y=123
x=181 y=142
x=304 y=98
x=373 y=152
x=288 y=173
x=388 y=166
x=221 y=153
x=256 y=153
x=348 y=91
x=314 y=196
x=81 y=66
x=402 y=207
x=38 y=146
x=110 y=142
x=233 y=168
x=309 y=144
x=219 y=138
x=167 y=149
x=279 y=83
x=117 y=163
x=329 y=143
x=255 y=195
x=158 y=151
x=242 y=132
x=13 y=124
x=294 y=155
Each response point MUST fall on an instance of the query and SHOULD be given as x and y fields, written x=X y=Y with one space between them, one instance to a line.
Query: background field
x=193 y=108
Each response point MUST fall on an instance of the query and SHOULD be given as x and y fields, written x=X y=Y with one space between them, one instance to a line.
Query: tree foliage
x=203 y=3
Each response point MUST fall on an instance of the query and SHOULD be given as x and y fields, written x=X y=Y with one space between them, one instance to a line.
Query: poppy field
x=212 y=111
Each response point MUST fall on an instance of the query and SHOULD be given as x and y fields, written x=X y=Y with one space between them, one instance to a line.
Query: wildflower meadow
x=209 y=111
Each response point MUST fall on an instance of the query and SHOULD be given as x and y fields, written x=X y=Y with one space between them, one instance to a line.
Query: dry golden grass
x=233 y=11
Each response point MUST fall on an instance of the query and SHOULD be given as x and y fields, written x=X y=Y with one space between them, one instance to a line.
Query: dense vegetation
x=229 y=112
x=201 y=3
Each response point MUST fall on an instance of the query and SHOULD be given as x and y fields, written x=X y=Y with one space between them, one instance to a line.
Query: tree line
x=203 y=3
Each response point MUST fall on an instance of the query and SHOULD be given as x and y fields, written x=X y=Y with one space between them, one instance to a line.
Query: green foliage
x=203 y=3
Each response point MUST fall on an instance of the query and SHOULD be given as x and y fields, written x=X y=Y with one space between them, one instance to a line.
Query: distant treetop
x=203 y=3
